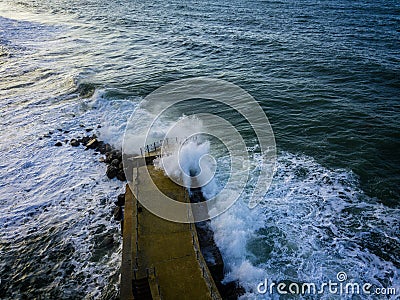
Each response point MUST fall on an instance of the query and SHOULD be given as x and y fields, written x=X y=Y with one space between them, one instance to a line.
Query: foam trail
x=313 y=223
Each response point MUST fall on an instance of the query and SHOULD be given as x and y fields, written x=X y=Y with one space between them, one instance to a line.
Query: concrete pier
x=161 y=259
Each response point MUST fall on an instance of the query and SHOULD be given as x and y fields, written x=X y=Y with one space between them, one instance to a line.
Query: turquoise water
x=325 y=72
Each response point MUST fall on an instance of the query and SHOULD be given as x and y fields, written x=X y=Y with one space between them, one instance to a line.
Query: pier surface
x=161 y=259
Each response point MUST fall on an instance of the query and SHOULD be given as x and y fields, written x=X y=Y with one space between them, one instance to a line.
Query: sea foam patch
x=313 y=223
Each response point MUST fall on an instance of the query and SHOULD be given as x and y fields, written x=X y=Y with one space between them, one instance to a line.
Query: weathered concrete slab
x=165 y=251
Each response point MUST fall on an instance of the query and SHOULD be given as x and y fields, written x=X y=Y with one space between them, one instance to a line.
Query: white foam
x=53 y=197
x=310 y=225
x=305 y=231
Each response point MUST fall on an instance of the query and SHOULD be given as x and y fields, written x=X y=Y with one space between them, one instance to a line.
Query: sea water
x=325 y=73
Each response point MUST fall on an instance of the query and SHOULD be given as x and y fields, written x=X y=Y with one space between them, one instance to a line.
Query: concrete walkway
x=165 y=252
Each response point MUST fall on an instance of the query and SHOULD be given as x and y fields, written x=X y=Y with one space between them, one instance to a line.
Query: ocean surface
x=326 y=73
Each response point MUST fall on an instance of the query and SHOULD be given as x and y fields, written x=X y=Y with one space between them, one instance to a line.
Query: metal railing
x=157 y=145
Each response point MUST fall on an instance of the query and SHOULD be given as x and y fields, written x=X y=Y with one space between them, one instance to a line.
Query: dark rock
x=118 y=213
x=46 y=135
x=85 y=140
x=59 y=129
x=108 y=241
x=115 y=163
x=74 y=143
x=231 y=290
x=121 y=175
x=40 y=138
x=81 y=125
x=86 y=90
x=117 y=154
x=121 y=200
x=111 y=171
x=58 y=144
x=108 y=158
x=102 y=150
x=92 y=144
x=66 y=131
x=114 y=154
x=50 y=132
x=101 y=147
x=89 y=129
x=108 y=148
x=98 y=126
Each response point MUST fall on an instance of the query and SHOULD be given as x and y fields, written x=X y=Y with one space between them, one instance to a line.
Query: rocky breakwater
x=109 y=155
x=212 y=255
x=115 y=169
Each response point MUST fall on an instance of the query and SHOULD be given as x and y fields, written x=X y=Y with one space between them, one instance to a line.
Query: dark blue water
x=325 y=72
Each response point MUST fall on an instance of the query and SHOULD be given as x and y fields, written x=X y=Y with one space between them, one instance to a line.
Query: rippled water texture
x=325 y=72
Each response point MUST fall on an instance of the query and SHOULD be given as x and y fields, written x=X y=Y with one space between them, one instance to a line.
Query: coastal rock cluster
x=111 y=156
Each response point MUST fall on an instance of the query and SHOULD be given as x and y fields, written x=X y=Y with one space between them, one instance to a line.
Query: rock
x=118 y=213
x=108 y=148
x=108 y=158
x=84 y=140
x=58 y=144
x=116 y=154
x=121 y=200
x=101 y=147
x=89 y=129
x=46 y=135
x=74 y=143
x=108 y=241
x=230 y=290
x=111 y=172
x=92 y=144
x=115 y=162
x=98 y=126
x=102 y=150
x=121 y=175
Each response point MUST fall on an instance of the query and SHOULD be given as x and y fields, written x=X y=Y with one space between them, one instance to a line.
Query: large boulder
x=121 y=175
x=121 y=200
x=111 y=171
x=74 y=143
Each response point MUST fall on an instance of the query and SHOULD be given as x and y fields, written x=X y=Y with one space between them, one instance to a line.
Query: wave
x=313 y=223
